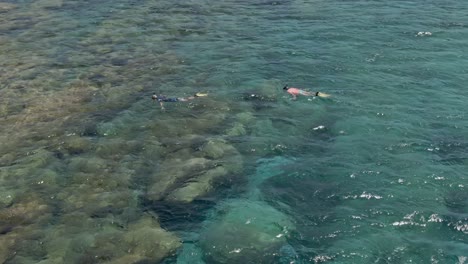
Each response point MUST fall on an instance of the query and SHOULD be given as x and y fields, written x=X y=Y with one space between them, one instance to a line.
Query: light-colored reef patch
x=248 y=232
x=77 y=145
x=236 y=130
x=149 y=241
x=81 y=239
x=4 y=7
x=193 y=173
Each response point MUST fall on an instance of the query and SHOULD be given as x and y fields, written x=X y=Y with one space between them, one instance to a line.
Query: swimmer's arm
x=162 y=105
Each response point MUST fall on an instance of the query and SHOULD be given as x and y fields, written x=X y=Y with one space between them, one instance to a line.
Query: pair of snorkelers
x=291 y=90
x=162 y=98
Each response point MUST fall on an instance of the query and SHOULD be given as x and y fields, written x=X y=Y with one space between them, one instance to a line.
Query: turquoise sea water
x=93 y=171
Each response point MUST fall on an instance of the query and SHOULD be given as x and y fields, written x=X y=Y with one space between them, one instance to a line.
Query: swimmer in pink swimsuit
x=296 y=91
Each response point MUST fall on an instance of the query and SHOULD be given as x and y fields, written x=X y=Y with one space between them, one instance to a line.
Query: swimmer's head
x=154 y=97
x=285 y=87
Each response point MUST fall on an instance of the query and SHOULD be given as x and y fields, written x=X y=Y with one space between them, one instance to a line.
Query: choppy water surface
x=93 y=171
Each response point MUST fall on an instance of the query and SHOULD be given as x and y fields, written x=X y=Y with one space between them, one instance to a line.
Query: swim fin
x=201 y=94
x=324 y=95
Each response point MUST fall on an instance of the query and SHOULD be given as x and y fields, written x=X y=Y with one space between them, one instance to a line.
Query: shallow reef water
x=93 y=171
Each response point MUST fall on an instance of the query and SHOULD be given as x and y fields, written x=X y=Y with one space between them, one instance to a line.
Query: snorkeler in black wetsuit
x=162 y=98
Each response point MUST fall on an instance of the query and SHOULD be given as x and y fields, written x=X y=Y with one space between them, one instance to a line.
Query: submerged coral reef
x=81 y=146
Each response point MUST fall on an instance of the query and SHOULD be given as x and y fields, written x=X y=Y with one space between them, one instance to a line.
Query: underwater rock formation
x=146 y=240
x=6 y=197
x=81 y=239
x=202 y=185
x=177 y=170
x=23 y=213
x=248 y=232
x=237 y=130
x=20 y=222
x=245 y=118
x=4 y=7
x=189 y=175
x=77 y=145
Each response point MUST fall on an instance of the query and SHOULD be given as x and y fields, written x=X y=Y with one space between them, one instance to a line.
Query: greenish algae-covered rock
x=47 y=178
x=176 y=170
x=107 y=129
x=73 y=237
x=24 y=212
x=116 y=147
x=79 y=238
x=7 y=159
x=217 y=149
x=203 y=184
x=77 y=145
x=6 y=197
x=224 y=154
x=38 y=158
x=245 y=118
x=237 y=130
x=249 y=232
x=147 y=239
x=6 y=243
x=88 y=164
x=204 y=123
x=182 y=178
x=20 y=245
x=4 y=7
x=96 y=201
x=152 y=150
